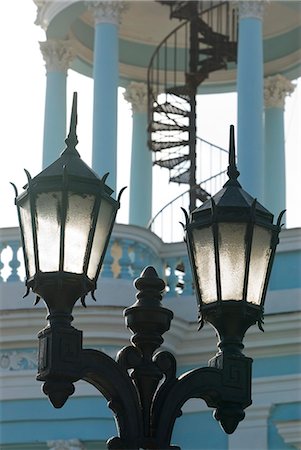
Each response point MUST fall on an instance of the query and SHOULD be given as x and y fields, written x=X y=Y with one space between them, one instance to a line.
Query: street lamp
x=66 y=216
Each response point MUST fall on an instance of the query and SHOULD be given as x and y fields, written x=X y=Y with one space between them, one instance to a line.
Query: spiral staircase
x=205 y=41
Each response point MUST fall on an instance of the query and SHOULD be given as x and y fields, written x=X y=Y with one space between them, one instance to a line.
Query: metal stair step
x=182 y=178
x=168 y=108
x=157 y=146
x=182 y=91
x=159 y=126
x=172 y=162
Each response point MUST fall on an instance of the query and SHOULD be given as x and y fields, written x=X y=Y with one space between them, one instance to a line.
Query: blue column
x=141 y=158
x=57 y=55
x=275 y=90
x=250 y=98
x=105 y=74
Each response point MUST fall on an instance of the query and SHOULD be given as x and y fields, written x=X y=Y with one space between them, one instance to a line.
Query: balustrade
x=129 y=251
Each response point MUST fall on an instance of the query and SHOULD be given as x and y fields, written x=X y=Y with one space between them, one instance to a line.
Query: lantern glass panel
x=105 y=217
x=232 y=256
x=25 y=215
x=260 y=256
x=48 y=224
x=77 y=229
x=204 y=257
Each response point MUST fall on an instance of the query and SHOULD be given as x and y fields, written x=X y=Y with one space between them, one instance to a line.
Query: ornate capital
x=251 y=9
x=136 y=94
x=276 y=88
x=57 y=54
x=40 y=4
x=71 y=444
x=107 y=11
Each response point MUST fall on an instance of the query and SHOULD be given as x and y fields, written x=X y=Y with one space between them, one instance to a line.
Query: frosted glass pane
x=260 y=255
x=104 y=221
x=203 y=249
x=78 y=224
x=232 y=251
x=28 y=238
x=49 y=206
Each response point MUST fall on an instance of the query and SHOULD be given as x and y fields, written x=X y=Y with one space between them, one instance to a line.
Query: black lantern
x=66 y=215
x=231 y=242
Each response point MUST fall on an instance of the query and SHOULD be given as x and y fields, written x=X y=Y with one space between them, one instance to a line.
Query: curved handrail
x=181 y=195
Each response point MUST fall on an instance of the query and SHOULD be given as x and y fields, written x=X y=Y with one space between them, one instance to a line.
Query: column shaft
x=57 y=55
x=141 y=173
x=54 y=117
x=104 y=158
x=141 y=158
x=250 y=100
x=275 y=90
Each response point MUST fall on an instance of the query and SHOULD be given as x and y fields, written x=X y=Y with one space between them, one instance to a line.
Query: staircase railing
x=213 y=161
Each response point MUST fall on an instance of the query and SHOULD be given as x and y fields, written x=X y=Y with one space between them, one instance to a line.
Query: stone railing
x=131 y=248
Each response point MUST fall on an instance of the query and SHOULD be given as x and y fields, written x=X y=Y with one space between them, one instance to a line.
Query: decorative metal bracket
x=141 y=386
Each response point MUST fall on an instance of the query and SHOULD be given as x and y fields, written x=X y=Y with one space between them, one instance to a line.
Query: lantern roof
x=70 y=161
x=232 y=197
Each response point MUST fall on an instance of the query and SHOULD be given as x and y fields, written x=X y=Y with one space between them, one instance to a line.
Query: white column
x=106 y=76
x=250 y=97
x=71 y=444
x=141 y=157
x=57 y=55
x=276 y=88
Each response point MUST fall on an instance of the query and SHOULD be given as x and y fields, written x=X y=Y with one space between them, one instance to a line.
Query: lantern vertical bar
x=95 y=213
x=249 y=241
x=63 y=218
x=21 y=232
x=216 y=253
x=116 y=204
x=107 y=243
x=32 y=203
x=274 y=243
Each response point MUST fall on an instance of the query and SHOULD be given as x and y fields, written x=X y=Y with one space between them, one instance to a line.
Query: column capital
x=71 y=444
x=57 y=54
x=136 y=94
x=107 y=11
x=40 y=4
x=251 y=9
x=276 y=88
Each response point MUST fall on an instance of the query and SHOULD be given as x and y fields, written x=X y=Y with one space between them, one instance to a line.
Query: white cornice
x=290 y=431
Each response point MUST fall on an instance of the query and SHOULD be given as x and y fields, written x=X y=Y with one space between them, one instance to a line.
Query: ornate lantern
x=231 y=241
x=66 y=216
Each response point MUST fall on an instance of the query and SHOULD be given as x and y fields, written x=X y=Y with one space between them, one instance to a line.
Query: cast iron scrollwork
x=141 y=386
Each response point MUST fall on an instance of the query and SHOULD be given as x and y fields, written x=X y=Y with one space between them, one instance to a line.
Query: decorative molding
x=276 y=88
x=251 y=9
x=57 y=54
x=136 y=94
x=71 y=444
x=107 y=11
x=290 y=431
x=16 y=360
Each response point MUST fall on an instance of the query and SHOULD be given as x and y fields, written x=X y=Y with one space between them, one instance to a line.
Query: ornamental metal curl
x=141 y=386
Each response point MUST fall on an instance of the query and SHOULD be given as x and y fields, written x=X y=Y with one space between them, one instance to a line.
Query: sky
x=22 y=94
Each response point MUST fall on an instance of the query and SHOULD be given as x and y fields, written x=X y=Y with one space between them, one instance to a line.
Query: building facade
x=113 y=41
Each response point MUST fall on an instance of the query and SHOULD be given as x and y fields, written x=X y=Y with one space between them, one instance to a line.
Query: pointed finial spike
x=232 y=171
x=232 y=147
x=71 y=140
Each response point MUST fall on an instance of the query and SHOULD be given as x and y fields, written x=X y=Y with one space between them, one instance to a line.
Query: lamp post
x=66 y=217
